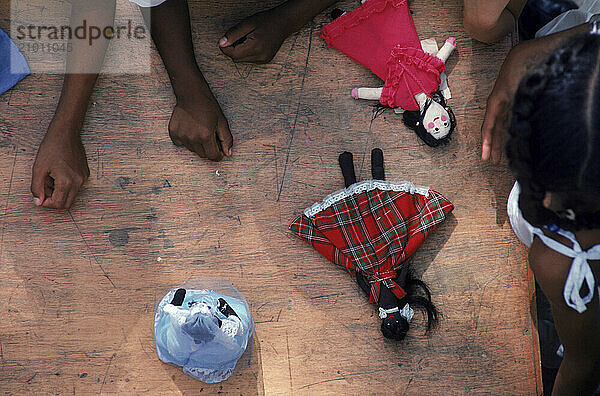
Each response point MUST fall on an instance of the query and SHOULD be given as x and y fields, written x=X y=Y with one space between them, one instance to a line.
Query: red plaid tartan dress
x=373 y=227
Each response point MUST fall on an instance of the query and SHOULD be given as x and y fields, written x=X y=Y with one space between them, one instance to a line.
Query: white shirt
x=148 y=3
x=580 y=272
x=571 y=18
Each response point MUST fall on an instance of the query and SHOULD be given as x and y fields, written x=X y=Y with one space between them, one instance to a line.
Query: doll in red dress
x=371 y=229
x=381 y=35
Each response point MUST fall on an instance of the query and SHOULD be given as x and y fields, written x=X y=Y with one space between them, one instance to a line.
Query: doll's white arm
x=367 y=93
x=447 y=49
x=375 y=93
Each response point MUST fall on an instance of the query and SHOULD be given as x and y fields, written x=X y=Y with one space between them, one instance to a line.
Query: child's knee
x=479 y=25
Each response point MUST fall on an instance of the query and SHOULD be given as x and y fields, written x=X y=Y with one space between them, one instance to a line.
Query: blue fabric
x=538 y=13
x=201 y=338
x=13 y=66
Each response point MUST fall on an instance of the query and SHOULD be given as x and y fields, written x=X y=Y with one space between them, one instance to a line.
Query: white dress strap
x=148 y=3
x=580 y=270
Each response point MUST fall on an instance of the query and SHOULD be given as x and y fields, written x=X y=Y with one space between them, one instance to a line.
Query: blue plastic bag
x=13 y=66
x=203 y=326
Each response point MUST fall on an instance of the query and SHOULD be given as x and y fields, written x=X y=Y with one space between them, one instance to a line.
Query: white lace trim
x=367 y=185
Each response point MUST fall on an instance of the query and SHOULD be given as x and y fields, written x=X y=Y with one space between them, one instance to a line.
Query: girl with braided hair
x=554 y=208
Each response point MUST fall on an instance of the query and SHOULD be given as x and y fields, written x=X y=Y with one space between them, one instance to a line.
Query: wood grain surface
x=78 y=287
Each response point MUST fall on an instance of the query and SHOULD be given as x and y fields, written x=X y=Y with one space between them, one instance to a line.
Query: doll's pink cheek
x=431 y=125
x=444 y=118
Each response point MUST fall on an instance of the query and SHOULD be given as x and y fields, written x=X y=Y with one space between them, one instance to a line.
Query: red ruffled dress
x=381 y=35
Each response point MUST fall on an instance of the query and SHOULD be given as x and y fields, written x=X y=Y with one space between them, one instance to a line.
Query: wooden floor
x=78 y=287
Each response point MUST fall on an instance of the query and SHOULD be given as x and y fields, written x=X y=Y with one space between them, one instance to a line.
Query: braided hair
x=554 y=143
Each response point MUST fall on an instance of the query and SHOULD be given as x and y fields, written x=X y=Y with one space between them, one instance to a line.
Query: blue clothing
x=13 y=66
x=199 y=336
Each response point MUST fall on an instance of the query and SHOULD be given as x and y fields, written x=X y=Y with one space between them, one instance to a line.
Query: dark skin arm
x=60 y=167
x=197 y=121
x=579 y=373
x=520 y=60
x=258 y=38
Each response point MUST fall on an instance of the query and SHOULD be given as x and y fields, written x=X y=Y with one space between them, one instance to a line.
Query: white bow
x=407 y=312
x=579 y=272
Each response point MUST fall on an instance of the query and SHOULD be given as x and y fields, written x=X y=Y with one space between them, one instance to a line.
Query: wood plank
x=79 y=286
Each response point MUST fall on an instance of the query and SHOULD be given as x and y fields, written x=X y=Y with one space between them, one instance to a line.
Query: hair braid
x=539 y=94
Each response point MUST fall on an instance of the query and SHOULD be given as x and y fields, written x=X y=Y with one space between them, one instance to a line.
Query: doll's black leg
x=377 y=169
x=347 y=164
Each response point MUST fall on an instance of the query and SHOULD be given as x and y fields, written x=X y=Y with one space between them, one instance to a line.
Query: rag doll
x=380 y=35
x=371 y=229
x=434 y=121
x=202 y=330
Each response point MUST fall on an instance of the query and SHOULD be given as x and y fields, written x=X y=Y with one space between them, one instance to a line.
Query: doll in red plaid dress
x=370 y=229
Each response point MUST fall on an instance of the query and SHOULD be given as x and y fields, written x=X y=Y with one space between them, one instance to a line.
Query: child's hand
x=201 y=127
x=499 y=104
x=60 y=168
x=520 y=60
x=256 y=39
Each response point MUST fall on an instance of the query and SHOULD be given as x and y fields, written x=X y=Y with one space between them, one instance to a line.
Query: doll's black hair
x=554 y=143
x=414 y=120
x=394 y=326
x=335 y=13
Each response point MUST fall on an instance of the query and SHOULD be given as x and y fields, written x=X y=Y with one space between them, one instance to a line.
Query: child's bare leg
x=258 y=38
x=60 y=168
x=490 y=20
x=197 y=121
x=579 y=372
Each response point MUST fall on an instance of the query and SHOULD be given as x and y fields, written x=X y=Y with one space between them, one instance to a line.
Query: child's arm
x=197 y=121
x=60 y=168
x=517 y=64
x=490 y=20
x=579 y=373
x=258 y=38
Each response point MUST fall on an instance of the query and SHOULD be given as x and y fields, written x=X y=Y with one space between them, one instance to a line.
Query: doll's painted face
x=436 y=121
